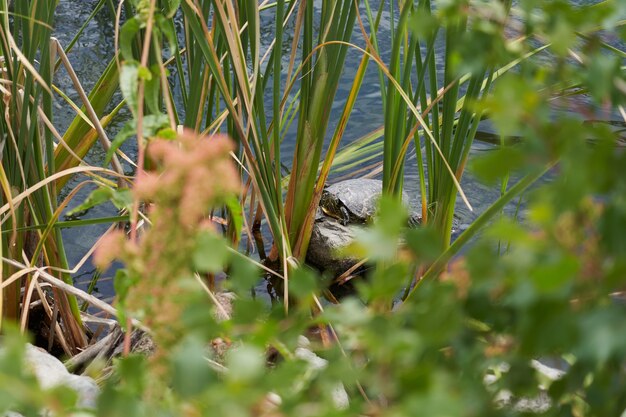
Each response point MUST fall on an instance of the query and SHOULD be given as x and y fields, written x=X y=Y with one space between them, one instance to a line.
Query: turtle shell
x=357 y=196
x=356 y=201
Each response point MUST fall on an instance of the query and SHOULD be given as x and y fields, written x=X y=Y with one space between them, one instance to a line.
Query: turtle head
x=330 y=205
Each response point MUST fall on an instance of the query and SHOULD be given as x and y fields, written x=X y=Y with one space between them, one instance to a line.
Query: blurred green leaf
x=422 y=22
x=129 y=83
x=424 y=242
x=303 y=283
x=128 y=33
x=125 y=132
x=245 y=363
x=191 y=374
x=122 y=199
x=602 y=76
x=244 y=276
x=210 y=253
x=496 y=164
x=551 y=275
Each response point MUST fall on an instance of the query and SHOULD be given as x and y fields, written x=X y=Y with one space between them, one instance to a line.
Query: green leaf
x=12 y=351
x=380 y=241
x=144 y=73
x=602 y=75
x=210 y=253
x=170 y=9
x=152 y=91
x=245 y=363
x=153 y=124
x=244 y=275
x=96 y=197
x=350 y=312
x=122 y=283
x=65 y=396
x=191 y=374
x=133 y=369
x=236 y=214
x=511 y=102
x=120 y=198
x=562 y=37
x=129 y=84
x=166 y=133
x=551 y=275
x=128 y=34
x=392 y=216
x=425 y=243
x=168 y=29
x=303 y=283
x=125 y=132
x=422 y=23
x=507 y=229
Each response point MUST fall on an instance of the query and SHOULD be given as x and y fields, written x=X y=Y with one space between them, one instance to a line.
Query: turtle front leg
x=345 y=216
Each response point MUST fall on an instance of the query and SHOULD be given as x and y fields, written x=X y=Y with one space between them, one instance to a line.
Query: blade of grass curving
x=432 y=137
x=276 y=101
x=17 y=199
x=68 y=224
x=269 y=147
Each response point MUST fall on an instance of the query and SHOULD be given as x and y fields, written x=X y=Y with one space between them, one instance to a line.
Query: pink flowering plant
x=194 y=175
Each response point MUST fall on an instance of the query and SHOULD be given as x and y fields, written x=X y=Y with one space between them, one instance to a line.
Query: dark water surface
x=96 y=47
x=89 y=58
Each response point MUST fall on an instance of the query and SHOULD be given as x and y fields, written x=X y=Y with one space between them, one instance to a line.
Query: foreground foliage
x=436 y=329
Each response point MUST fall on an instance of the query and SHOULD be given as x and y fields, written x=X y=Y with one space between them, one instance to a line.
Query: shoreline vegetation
x=235 y=131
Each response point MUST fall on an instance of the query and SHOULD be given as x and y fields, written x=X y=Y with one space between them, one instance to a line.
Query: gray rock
x=50 y=372
x=328 y=237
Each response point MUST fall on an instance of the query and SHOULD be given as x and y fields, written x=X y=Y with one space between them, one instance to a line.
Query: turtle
x=354 y=201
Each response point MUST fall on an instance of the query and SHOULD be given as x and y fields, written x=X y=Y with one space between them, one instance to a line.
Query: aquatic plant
x=195 y=174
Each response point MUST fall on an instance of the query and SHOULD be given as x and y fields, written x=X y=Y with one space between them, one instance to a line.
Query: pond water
x=95 y=48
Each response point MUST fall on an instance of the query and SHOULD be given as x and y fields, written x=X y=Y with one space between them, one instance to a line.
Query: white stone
x=338 y=392
x=50 y=372
x=551 y=373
